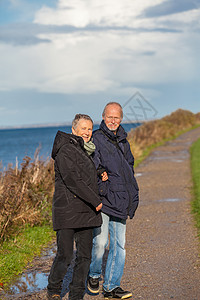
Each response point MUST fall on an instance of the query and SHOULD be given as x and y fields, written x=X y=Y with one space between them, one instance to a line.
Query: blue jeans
x=116 y=258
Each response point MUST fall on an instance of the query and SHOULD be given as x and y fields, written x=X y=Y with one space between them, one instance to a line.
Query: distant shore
x=45 y=125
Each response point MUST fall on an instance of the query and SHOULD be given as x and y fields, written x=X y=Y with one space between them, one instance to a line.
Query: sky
x=62 y=57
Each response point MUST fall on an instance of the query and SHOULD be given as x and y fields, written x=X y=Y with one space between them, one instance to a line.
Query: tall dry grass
x=25 y=195
x=153 y=132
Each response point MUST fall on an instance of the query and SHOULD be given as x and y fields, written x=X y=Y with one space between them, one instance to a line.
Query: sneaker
x=93 y=285
x=118 y=293
x=53 y=297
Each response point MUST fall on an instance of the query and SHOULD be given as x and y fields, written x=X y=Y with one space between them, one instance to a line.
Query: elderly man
x=114 y=161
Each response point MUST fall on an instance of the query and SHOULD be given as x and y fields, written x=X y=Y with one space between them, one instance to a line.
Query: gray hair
x=78 y=117
x=112 y=103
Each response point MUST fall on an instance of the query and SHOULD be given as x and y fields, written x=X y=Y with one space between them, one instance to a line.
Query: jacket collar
x=121 y=133
x=63 y=138
x=77 y=140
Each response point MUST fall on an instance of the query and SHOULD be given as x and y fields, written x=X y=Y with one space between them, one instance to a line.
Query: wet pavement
x=29 y=282
x=162 y=247
x=34 y=278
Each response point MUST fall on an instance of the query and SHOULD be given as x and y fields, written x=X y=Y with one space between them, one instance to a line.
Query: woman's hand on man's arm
x=99 y=207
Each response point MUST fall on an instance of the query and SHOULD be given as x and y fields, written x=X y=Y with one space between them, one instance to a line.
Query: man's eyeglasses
x=111 y=118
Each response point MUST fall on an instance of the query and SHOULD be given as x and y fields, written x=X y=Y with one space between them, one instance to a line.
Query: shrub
x=153 y=132
x=26 y=195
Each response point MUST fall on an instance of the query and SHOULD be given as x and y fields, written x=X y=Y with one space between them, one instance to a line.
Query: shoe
x=53 y=297
x=118 y=293
x=93 y=285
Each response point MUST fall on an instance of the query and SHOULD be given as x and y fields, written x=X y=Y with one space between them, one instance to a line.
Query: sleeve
x=70 y=172
x=100 y=170
x=96 y=156
x=129 y=155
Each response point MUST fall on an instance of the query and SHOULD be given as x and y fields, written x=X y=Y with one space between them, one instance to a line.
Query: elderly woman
x=76 y=206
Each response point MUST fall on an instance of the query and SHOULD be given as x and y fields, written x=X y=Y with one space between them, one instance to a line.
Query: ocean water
x=15 y=144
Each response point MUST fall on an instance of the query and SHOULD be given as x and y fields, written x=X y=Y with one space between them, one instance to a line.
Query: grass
x=19 y=250
x=195 y=169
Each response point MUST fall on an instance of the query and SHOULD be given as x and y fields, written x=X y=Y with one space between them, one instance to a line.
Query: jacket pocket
x=117 y=187
x=80 y=206
x=119 y=197
x=103 y=188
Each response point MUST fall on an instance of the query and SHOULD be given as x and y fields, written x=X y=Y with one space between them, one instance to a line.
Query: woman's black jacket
x=76 y=191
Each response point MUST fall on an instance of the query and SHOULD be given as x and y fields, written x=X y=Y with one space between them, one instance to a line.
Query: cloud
x=77 y=62
x=149 y=53
x=87 y=47
x=19 y=35
x=30 y=34
x=22 y=34
x=83 y=13
x=82 y=16
x=170 y=7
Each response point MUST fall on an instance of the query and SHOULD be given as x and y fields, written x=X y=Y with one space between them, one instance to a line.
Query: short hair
x=111 y=103
x=78 y=117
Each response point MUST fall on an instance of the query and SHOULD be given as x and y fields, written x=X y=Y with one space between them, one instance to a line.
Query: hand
x=99 y=207
x=104 y=176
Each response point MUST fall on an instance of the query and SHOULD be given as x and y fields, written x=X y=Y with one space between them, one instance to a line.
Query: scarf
x=89 y=147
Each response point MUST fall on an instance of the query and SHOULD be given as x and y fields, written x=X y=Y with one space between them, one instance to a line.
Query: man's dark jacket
x=76 y=190
x=119 y=193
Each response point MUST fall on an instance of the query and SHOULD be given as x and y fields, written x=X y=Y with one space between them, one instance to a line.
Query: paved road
x=162 y=259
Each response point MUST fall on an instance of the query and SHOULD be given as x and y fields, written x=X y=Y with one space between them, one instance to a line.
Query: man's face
x=112 y=117
x=83 y=129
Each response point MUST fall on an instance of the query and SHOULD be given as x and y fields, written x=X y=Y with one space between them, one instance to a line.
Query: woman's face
x=83 y=129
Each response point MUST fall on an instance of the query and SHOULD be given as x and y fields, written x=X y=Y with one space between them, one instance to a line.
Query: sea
x=16 y=144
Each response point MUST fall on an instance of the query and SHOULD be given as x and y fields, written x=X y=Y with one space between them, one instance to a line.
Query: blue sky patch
x=21 y=10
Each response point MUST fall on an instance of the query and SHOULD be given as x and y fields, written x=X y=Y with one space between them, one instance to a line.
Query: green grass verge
x=18 y=251
x=195 y=169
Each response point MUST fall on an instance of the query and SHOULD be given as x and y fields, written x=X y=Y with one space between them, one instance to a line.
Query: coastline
x=49 y=125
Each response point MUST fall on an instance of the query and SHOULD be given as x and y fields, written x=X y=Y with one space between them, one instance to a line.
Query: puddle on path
x=34 y=281
x=177 y=160
x=170 y=155
x=170 y=200
x=168 y=158
x=29 y=282
x=138 y=174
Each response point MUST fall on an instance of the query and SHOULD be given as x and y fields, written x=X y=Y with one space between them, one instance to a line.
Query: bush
x=156 y=131
x=26 y=195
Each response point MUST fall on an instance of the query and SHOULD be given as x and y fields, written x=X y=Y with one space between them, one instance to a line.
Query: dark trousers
x=65 y=243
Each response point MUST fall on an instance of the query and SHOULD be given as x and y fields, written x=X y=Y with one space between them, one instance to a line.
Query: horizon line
x=42 y=125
